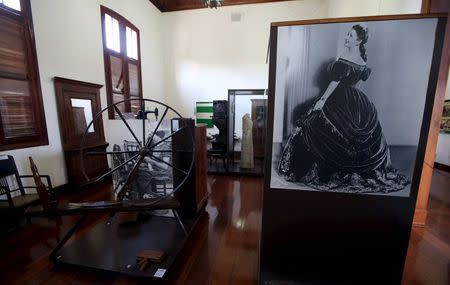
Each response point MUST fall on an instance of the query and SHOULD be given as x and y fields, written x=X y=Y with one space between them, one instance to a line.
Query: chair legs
x=224 y=163
x=215 y=157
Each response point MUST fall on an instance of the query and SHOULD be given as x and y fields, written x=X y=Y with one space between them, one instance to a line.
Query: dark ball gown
x=341 y=148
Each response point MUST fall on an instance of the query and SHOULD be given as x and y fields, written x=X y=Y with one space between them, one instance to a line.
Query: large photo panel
x=349 y=104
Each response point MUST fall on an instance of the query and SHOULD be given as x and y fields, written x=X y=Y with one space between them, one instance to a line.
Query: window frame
x=24 y=17
x=123 y=24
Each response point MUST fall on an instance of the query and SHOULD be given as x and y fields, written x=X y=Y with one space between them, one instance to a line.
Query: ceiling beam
x=178 y=5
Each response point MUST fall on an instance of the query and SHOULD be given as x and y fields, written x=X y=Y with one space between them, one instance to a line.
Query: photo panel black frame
x=318 y=237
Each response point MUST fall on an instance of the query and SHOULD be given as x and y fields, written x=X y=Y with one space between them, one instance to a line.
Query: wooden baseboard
x=420 y=217
x=442 y=167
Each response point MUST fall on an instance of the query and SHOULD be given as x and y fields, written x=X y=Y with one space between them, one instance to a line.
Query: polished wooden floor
x=428 y=258
x=223 y=250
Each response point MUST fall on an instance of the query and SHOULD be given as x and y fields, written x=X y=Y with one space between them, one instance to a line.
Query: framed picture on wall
x=350 y=103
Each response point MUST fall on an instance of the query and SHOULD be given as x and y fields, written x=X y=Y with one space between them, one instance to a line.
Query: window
x=122 y=61
x=14 y=4
x=22 y=120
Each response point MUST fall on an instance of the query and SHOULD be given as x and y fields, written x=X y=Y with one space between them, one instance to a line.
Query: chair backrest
x=130 y=146
x=220 y=119
x=8 y=168
x=4 y=190
x=118 y=157
x=40 y=187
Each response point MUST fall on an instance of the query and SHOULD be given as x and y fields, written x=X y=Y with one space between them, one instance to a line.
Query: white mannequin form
x=247 y=142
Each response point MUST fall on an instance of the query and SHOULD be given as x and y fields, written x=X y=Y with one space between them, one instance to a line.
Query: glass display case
x=247 y=120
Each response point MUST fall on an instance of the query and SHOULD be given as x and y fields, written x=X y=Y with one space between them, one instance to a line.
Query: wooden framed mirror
x=78 y=102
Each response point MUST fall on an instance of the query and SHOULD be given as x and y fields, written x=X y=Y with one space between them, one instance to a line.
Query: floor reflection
x=232 y=249
x=428 y=258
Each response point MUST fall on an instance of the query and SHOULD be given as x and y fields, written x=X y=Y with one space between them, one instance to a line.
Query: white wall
x=443 y=146
x=353 y=8
x=69 y=44
x=206 y=53
x=443 y=149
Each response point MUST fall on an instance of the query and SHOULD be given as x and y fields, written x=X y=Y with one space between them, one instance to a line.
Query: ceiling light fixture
x=213 y=3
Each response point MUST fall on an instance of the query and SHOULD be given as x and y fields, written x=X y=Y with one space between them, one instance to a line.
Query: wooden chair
x=162 y=176
x=159 y=178
x=118 y=159
x=13 y=195
x=47 y=198
x=218 y=151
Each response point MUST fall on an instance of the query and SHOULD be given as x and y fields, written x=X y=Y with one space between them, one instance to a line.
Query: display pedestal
x=112 y=246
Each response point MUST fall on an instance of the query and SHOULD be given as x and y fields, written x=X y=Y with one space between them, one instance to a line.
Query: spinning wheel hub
x=144 y=151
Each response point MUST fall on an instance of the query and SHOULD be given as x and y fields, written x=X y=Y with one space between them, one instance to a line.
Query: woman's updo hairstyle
x=363 y=36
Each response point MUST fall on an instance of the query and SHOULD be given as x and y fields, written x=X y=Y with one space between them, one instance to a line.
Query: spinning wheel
x=147 y=155
x=150 y=141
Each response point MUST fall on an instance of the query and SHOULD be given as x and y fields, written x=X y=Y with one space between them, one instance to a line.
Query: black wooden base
x=442 y=167
x=112 y=246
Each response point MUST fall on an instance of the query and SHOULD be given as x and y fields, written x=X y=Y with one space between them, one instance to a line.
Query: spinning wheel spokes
x=134 y=162
x=115 y=168
x=109 y=152
x=165 y=162
x=123 y=191
x=150 y=140
x=126 y=124
x=166 y=138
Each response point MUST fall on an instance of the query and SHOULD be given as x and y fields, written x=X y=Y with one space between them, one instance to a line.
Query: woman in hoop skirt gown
x=338 y=145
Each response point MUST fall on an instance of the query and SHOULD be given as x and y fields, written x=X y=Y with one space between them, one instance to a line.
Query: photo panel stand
x=341 y=187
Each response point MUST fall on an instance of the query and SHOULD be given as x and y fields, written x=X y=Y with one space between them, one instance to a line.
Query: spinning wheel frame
x=145 y=149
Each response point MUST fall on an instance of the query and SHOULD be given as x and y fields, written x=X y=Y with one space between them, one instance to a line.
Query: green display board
x=204 y=112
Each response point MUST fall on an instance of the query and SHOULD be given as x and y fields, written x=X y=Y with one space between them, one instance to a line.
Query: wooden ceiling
x=178 y=5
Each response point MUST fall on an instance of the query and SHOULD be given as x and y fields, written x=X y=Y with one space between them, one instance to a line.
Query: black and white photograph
x=349 y=104
x=445 y=124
